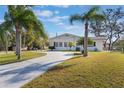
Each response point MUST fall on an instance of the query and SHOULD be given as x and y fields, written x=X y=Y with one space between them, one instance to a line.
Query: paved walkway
x=17 y=74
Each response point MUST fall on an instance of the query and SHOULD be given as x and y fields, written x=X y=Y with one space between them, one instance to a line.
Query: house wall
x=99 y=43
x=63 y=39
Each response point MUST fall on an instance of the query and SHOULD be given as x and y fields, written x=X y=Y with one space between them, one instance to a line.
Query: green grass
x=11 y=57
x=69 y=51
x=99 y=69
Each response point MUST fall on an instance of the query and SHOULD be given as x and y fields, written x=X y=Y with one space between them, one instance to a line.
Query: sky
x=56 y=18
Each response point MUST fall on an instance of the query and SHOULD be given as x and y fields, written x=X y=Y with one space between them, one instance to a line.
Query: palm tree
x=87 y=17
x=5 y=35
x=21 y=17
x=4 y=38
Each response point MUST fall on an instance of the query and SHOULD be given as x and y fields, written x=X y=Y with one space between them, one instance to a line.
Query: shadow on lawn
x=60 y=67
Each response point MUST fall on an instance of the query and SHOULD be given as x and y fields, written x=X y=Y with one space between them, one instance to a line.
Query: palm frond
x=38 y=26
x=4 y=35
x=92 y=11
x=99 y=17
x=76 y=17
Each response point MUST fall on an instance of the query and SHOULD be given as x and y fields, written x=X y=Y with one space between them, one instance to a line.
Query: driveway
x=17 y=74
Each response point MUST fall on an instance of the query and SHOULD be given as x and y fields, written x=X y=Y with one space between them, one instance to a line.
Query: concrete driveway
x=17 y=74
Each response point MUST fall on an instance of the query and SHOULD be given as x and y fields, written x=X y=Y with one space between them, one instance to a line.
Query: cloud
x=1 y=20
x=63 y=17
x=57 y=19
x=44 y=13
x=60 y=24
x=69 y=27
x=63 y=6
x=72 y=27
x=56 y=12
x=54 y=20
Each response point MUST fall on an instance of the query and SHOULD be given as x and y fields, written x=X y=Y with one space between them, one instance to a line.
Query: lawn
x=11 y=57
x=99 y=69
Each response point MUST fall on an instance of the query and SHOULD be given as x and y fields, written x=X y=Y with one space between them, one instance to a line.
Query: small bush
x=95 y=49
x=82 y=51
x=51 y=48
x=77 y=48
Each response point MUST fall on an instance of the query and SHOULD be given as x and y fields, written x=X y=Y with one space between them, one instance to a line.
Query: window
x=65 y=44
x=60 y=44
x=56 y=44
x=94 y=43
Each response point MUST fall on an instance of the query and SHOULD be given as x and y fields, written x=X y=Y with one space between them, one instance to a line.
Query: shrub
x=82 y=51
x=95 y=49
x=77 y=48
x=51 y=48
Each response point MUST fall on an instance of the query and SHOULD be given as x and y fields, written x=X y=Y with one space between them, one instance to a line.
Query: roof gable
x=66 y=35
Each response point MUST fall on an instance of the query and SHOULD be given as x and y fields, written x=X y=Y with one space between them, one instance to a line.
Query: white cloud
x=44 y=13
x=63 y=6
x=1 y=20
x=72 y=27
x=63 y=17
x=57 y=19
x=60 y=24
x=56 y=12
x=68 y=27
x=54 y=20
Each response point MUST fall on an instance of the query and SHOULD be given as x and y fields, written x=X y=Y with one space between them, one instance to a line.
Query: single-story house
x=61 y=42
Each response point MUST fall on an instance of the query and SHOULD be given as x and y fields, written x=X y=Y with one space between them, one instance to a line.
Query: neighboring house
x=61 y=42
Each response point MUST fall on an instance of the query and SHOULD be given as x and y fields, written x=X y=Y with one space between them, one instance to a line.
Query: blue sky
x=56 y=18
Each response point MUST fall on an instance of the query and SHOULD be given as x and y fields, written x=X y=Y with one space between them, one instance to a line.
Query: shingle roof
x=65 y=34
x=72 y=35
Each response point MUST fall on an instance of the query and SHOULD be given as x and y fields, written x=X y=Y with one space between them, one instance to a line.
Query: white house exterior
x=61 y=42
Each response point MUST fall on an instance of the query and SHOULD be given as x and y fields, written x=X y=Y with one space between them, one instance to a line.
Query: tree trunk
x=86 y=39
x=18 y=42
x=123 y=49
x=6 y=44
x=6 y=48
x=110 y=44
x=118 y=37
x=110 y=39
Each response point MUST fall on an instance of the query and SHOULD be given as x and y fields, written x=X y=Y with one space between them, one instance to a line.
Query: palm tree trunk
x=6 y=43
x=6 y=48
x=18 y=42
x=86 y=40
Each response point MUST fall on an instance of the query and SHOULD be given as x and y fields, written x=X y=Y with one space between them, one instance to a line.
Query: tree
x=71 y=44
x=87 y=17
x=30 y=38
x=120 y=45
x=111 y=27
x=97 y=28
x=5 y=35
x=22 y=17
x=81 y=41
